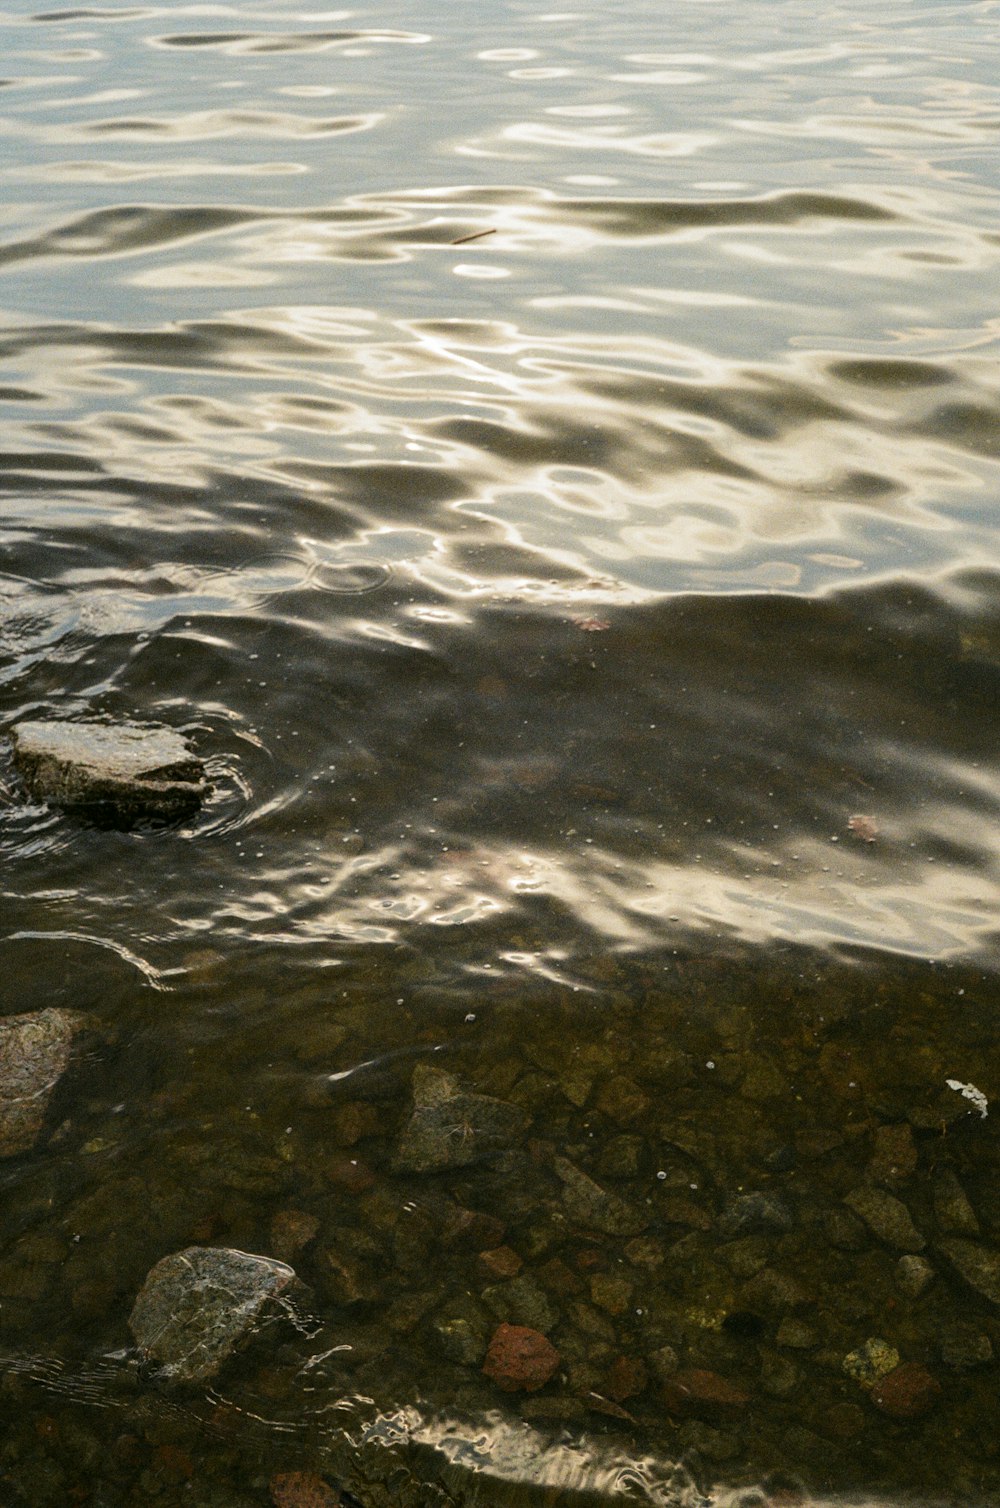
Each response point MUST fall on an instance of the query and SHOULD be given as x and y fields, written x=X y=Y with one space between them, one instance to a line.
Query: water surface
x=546 y=462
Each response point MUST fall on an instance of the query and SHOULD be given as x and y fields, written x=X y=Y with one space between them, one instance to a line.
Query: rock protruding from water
x=130 y=771
x=450 y=1128
x=34 y=1054
x=197 y=1306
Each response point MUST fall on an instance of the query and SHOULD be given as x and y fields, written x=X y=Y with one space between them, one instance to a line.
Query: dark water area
x=546 y=464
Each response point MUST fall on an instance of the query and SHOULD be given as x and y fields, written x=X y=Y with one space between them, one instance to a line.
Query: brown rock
x=291 y=1230
x=626 y=1378
x=352 y=1174
x=501 y=1262
x=695 y=1388
x=519 y=1359
x=906 y=1392
x=353 y=1121
x=895 y=1156
x=302 y=1489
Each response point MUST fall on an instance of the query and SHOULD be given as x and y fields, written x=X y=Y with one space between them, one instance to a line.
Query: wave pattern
x=547 y=463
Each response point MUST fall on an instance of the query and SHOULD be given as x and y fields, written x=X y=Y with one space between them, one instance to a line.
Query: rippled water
x=547 y=462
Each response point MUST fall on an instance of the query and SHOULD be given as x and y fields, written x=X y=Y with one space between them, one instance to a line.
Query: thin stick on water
x=477 y=235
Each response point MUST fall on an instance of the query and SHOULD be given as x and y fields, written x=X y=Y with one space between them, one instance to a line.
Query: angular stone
x=133 y=771
x=590 y=1205
x=953 y=1213
x=978 y=1265
x=914 y=1275
x=886 y=1217
x=964 y=1346
x=197 y=1305
x=521 y=1302
x=34 y=1054
x=755 y=1214
x=452 y=1129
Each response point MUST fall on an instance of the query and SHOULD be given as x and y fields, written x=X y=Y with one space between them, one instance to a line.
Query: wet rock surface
x=196 y=1307
x=450 y=1128
x=35 y=1050
x=131 y=772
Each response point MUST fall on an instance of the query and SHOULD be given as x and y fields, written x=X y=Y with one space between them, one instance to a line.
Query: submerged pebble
x=35 y=1051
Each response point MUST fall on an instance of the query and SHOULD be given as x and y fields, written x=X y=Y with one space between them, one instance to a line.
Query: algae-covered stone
x=34 y=1054
x=871 y=1361
x=196 y=1306
x=450 y=1128
x=135 y=772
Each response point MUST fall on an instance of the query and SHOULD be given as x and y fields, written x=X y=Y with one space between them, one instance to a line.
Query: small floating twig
x=477 y=235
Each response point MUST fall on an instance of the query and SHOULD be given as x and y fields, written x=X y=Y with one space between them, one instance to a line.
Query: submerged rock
x=907 y=1392
x=452 y=1129
x=520 y=1359
x=196 y=1306
x=886 y=1217
x=34 y=1054
x=134 y=772
x=978 y=1265
x=590 y=1205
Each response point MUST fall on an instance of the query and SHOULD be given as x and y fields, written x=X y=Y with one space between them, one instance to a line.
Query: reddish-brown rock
x=501 y=1262
x=906 y=1392
x=302 y=1489
x=519 y=1359
x=696 y=1388
x=291 y=1230
x=625 y=1379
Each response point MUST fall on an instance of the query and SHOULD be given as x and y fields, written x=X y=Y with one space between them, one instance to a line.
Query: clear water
x=547 y=462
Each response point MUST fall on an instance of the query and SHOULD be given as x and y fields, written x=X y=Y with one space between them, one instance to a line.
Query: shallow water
x=546 y=463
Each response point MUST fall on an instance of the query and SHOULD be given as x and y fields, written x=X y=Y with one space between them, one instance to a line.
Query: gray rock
x=964 y=1346
x=886 y=1217
x=914 y=1275
x=34 y=1053
x=953 y=1213
x=196 y=1306
x=521 y=1302
x=978 y=1265
x=134 y=772
x=452 y=1129
x=588 y=1204
x=755 y=1214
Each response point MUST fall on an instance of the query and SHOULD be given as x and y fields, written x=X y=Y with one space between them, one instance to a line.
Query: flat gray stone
x=135 y=771
x=34 y=1053
x=197 y=1306
x=452 y=1129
